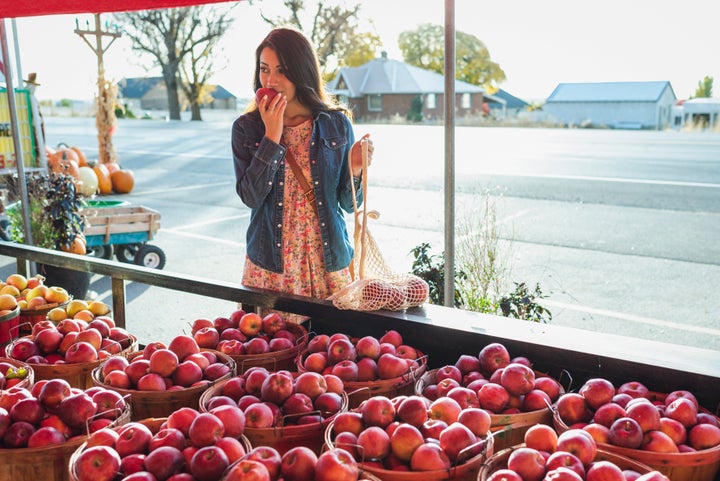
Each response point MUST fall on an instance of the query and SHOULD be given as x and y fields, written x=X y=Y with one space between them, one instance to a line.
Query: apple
x=232 y=418
x=681 y=393
x=504 y=474
x=205 y=430
x=265 y=92
x=247 y=470
x=207 y=337
x=298 y=464
x=208 y=463
x=467 y=363
x=368 y=346
x=429 y=457
x=53 y=392
x=334 y=383
x=541 y=437
x=455 y=440
x=517 y=379
x=250 y=324
x=597 y=391
x=492 y=357
x=316 y=362
x=348 y=421
x=328 y=403
x=56 y=295
x=182 y=418
x=658 y=441
x=298 y=404
x=535 y=400
x=97 y=463
x=223 y=323
x=232 y=448
x=341 y=350
x=187 y=373
x=573 y=408
x=703 y=436
x=258 y=415
x=406 y=352
x=683 y=410
x=280 y=344
x=336 y=464
x=404 y=440
x=272 y=323
x=674 y=429
x=391 y=366
x=579 y=443
x=528 y=463
x=608 y=413
x=29 y=410
x=493 y=397
x=634 y=389
x=45 y=436
x=312 y=384
x=276 y=387
x=599 y=432
x=448 y=371
x=216 y=371
x=75 y=409
x=110 y=404
x=604 y=471
x=91 y=336
x=200 y=323
x=256 y=345
x=646 y=415
x=23 y=348
x=626 y=432
x=566 y=460
x=392 y=337
x=413 y=410
x=248 y=400
x=48 y=340
x=445 y=409
x=164 y=461
x=374 y=443
x=377 y=411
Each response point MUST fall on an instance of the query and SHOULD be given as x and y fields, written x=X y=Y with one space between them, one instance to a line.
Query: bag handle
x=361 y=226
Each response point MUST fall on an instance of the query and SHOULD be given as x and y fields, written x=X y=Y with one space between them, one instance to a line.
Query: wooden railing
x=440 y=332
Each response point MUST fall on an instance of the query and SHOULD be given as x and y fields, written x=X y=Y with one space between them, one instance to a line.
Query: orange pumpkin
x=62 y=162
x=123 y=181
x=82 y=160
x=78 y=246
x=104 y=183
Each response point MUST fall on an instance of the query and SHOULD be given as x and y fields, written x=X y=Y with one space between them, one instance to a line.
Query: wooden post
x=105 y=117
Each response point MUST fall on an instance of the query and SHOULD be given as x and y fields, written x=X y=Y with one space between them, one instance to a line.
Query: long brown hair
x=301 y=67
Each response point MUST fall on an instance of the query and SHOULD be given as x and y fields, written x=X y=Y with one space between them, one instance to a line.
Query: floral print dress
x=304 y=267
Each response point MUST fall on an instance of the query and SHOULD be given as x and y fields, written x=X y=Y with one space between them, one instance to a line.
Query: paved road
x=619 y=228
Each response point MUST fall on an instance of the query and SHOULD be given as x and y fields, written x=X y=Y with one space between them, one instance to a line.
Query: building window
x=465 y=101
x=375 y=103
x=430 y=101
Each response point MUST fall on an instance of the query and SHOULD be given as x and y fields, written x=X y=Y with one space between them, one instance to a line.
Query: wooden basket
x=154 y=424
x=696 y=466
x=397 y=386
x=29 y=379
x=79 y=375
x=500 y=459
x=160 y=404
x=278 y=360
x=30 y=317
x=508 y=429
x=48 y=463
x=466 y=471
x=9 y=325
x=282 y=438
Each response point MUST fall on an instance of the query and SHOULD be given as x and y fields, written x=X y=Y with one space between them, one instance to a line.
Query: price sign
x=8 y=160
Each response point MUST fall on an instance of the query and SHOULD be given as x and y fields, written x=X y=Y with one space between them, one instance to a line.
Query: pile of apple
x=160 y=367
x=379 y=294
x=280 y=398
x=244 y=333
x=188 y=445
x=570 y=456
x=52 y=412
x=493 y=381
x=11 y=375
x=71 y=341
x=19 y=287
x=366 y=359
x=633 y=417
x=78 y=309
x=410 y=433
x=264 y=463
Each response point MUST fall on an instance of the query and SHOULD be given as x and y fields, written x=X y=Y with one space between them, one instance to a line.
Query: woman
x=295 y=244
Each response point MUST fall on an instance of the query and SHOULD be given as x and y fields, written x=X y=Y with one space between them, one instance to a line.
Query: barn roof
x=610 y=92
x=386 y=76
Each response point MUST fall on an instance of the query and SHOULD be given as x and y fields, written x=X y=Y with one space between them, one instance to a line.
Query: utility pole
x=107 y=92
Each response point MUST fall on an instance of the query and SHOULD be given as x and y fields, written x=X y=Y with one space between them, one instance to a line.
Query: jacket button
x=279 y=204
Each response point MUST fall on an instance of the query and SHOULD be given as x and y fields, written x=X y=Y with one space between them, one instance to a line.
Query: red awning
x=29 y=8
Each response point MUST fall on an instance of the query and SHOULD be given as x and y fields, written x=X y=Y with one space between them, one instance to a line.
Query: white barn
x=622 y=105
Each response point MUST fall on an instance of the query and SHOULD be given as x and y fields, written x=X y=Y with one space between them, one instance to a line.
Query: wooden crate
x=120 y=225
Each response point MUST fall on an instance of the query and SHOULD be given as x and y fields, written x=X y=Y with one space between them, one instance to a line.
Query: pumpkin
x=82 y=160
x=103 y=176
x=78 y=246
x=123 y=181
x=61 y=163
x=88 y=181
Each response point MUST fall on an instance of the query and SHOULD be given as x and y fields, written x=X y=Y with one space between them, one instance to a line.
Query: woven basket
x=282 y=438
x=508 y=429
x=79 y=375
x=154 y=424
x=696 y=466
x=30 y=317
x=29 y=379
x=9 y=325
x=160 y=404
x=500 y=459
x=397 y=386
x=277 y=360
x=48 y=463
x=466 y=471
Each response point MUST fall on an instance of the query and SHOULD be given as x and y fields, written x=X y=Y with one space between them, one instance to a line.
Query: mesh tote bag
x=375 y=285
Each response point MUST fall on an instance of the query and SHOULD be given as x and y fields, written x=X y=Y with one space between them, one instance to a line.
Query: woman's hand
x=272 y=112
x=356 y=161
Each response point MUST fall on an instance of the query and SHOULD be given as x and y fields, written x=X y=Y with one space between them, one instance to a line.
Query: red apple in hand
x=263 y=92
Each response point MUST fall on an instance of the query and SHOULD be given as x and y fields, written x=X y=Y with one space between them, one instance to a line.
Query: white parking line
x=205 y=238
x=633 y=318
x=207 y=222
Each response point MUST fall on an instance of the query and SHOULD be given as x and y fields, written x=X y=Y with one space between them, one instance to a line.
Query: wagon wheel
x=126 y=252
x=150 y=256
x=102 y=251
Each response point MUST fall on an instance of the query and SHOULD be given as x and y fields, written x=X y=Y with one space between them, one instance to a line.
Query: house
x=384 y=88
x=150 y=93
x=636 y=105
x=510 y=108
x=697 y=113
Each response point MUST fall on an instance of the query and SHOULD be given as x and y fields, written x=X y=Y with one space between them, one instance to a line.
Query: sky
x=538 y=44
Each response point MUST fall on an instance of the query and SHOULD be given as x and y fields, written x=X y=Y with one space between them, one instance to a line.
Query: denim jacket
x=260 y=173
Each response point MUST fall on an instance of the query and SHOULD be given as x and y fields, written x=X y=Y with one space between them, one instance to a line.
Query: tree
x=704 y=88
x=424 y=47
x=335 y=32
x=170 y=36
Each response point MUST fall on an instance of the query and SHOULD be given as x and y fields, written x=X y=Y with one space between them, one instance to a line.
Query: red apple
x=336 y=464
x=493 y=397
x=298 y=404
x=599 y=432
x=298 y=464
x=377 y=411
x=634 y=389
x=446 y=409
x=165 y=461
x=429 y=457
x=391 y=366
x=572 y=408
x=276 y=387
x=207 y=337
x=81 y=352
x=681 y=393
x=683 y=410
x=268 y=456
x=133 y=437
x=187 y=373
x=597 y=391
x=579 y=443
x=256 y=345
x=646 y=415
x=566 y=460
x=182 y=418
x=659 y=442
x=373 y=443
x=528 y=463
x=328 y=403
x=626 y=432
x=98 y=463
x=541 y=437
x=205 y=429
x=492 y=357
x=550 y=386
x=404 y=440
x=562 y=474
x=232 y=418
x=208 y=463
x=348 y=421
x=504 y=474
x=76 y=409
x=258 y=415
x=368 y=346
x=272 y=323
x=250 y=324
x=604 y=471
x=455 y=441
x=232 y=448
x=517 y=379
x=449 y=371
x=413 y=410
x=167 y=437
x=608 y=414
x=703 y=436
